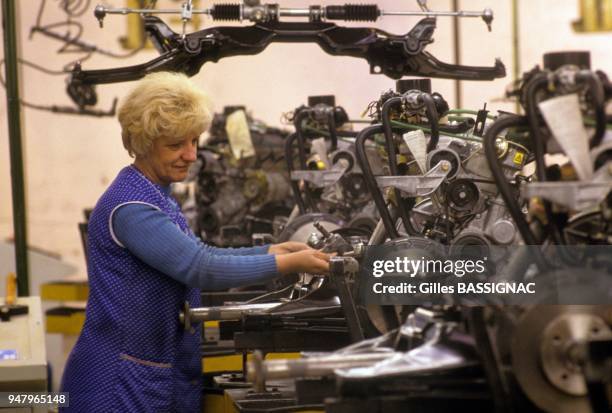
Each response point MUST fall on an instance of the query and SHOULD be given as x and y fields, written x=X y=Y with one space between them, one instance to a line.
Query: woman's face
x=169 y=160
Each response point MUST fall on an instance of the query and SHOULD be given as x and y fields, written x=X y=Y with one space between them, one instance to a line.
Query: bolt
x=487 y=17
x=100 y=13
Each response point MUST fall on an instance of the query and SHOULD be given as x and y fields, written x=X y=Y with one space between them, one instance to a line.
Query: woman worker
x=144 y=263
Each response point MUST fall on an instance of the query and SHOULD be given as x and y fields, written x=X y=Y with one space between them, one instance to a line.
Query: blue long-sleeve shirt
x=150 y=235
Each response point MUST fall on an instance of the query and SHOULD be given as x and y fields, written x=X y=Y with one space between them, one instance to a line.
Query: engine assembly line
x=420 y=256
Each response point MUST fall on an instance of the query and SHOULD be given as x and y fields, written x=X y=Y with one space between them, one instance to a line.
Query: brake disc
x=548 y=351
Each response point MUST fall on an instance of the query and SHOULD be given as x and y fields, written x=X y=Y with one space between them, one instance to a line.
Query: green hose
x=468 y=112
x=428 y=130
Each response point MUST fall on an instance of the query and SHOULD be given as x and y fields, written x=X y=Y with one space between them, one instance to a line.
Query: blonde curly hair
x=162 y=105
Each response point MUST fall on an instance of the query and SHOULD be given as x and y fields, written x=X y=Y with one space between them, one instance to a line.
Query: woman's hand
x=306 y=260
x=287 y=247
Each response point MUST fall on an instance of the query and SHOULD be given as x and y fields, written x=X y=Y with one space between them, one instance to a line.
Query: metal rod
x=125 y=10
x=286 y=12
x=228 y=312
x=311 y=366
x=299 y=12
x=433 y=13
x=457 y=47
x=516 y=48
x=13 y=108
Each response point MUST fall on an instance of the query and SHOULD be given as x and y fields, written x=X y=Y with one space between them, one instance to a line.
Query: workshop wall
x=70 y=159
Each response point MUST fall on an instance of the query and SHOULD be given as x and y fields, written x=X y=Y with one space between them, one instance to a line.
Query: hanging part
x=256 y=12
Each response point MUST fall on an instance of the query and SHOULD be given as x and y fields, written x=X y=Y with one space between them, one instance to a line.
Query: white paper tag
x=319 y=147
x=239 y=135
x=563 y=117
x=417 y=143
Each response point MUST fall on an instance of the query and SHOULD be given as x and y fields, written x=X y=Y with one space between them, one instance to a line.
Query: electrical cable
x=72 y=9
x=66 y=5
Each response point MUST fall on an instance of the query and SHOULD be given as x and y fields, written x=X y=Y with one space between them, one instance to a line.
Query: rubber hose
x=295 y=188
x=432 y=116
x=332 y=130
x=370 y=180
x=297 y=123
x=598 y=95
x=386 y=123
x=504 y=187
x=538 y=82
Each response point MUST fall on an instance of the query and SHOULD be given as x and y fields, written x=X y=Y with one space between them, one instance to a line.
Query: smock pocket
x=143 y=385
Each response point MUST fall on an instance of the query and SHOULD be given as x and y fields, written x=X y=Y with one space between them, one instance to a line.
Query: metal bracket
x=422 y=185
x=343 y=271
x=392 y=55
x=575 y=195
x=320 y=179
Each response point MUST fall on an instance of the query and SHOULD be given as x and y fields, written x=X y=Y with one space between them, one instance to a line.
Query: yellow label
x=518 y=158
